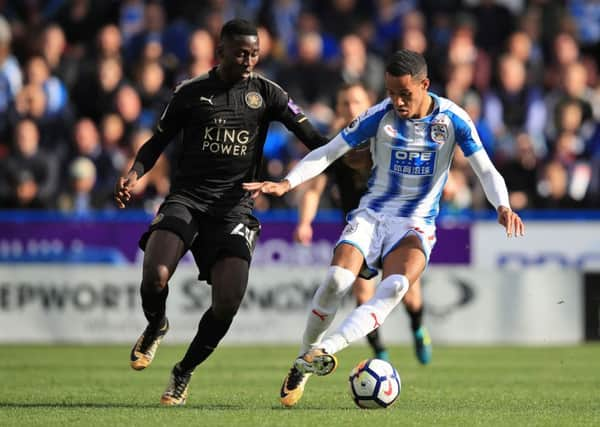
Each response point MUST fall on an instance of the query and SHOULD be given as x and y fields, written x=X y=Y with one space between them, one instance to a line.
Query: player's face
x=351 y=102
x=239 y=56
x=407 y=93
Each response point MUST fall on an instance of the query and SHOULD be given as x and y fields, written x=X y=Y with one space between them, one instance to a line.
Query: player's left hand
x=267 y=187
x=511 y=221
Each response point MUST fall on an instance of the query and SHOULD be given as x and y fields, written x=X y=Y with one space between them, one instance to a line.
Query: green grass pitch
x=239 y=386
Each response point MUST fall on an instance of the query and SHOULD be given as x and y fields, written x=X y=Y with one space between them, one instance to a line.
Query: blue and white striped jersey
x=411 y=157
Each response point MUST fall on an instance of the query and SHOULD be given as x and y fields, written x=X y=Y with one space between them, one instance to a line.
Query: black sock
x=416 y=318
x=375 y=341
x=154 y=305
x=210 y=332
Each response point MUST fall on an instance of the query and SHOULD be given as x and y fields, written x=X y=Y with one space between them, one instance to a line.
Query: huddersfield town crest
x=439 y=129
x=254 y=100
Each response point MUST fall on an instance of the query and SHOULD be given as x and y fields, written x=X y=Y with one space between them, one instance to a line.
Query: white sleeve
x=317 y=161
x=493 y=183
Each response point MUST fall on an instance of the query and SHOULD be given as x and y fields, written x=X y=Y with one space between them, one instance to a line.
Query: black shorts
x=209 y=239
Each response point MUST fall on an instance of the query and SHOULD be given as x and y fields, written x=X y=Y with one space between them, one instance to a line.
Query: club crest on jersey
x=254 y=100
x=439 y=132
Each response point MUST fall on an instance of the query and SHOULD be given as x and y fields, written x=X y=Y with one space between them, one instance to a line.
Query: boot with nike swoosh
x=145 y=347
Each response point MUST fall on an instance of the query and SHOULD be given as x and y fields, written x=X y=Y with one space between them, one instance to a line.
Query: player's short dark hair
x=238 y=27
x=406 y=62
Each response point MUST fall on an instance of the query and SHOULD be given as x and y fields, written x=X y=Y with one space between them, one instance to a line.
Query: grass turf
x=239 y=386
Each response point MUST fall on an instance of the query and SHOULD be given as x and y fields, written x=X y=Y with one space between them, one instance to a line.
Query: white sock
x=370 y=315
x=324 y=305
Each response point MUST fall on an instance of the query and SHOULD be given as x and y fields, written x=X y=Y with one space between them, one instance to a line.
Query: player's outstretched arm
x=310 y=166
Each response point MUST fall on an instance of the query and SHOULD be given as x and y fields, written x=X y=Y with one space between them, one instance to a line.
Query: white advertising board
x=99 y=304
x=546 y=243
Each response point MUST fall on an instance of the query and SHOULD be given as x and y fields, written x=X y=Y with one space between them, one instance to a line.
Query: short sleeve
x=365 y=126
x=278 y=101
x=465 y=133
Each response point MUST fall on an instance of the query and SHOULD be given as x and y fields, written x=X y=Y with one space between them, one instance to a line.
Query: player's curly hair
x=238 y=27
x=406 y=62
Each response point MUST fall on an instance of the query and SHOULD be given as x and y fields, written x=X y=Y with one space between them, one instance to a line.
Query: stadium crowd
x=82 y=83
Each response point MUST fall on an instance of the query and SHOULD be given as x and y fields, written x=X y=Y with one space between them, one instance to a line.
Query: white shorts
x=375 y=234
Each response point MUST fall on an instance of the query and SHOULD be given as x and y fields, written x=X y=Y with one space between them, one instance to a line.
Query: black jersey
x=224 y=128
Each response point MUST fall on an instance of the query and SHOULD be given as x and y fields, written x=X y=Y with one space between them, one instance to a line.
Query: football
x=374 y=384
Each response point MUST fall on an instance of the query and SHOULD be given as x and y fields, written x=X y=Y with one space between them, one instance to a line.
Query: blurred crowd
x=82 y=83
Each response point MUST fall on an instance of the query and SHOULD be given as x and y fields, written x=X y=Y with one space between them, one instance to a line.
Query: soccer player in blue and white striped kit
x=393 y=229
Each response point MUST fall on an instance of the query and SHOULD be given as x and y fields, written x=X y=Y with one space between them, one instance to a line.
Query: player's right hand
x=511 y=221
x=123 y=188
x=303 y=234
x=267 y=187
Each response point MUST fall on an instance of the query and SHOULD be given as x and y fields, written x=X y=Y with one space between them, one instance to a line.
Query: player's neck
x=426 y=108
x=226 y=77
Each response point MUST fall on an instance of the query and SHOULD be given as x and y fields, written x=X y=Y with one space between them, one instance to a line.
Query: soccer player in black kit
x=223 y=116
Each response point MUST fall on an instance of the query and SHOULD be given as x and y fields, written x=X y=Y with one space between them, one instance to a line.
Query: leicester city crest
x=254 y=100
x=439 y=132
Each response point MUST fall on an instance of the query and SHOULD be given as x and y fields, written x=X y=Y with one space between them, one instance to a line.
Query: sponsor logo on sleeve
x=293 y=107
x=353 y=126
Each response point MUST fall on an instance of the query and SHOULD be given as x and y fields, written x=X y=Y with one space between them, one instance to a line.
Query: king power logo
x=218 y=139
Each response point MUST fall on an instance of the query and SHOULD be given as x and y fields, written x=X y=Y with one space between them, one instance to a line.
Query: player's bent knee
x=155 y=278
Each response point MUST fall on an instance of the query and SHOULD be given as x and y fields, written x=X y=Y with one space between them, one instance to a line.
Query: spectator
x=11 y=79
x=271 y=52
x=357 y=65
x=129 y=106
x=320 y=88
x=520 y=174
x=38 y=74
x=94 y=97
x=553 y=188
x=29 y=175
x=513 y=107
x=495 y=22
x=152 y=91
x=201 y=55
x=54 y=50
x=565 y=52
x=80 y=196
x=112 y=133
x=87 y=144
x=521 y=47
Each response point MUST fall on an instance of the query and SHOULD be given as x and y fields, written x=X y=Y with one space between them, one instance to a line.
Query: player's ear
x=425 y=83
